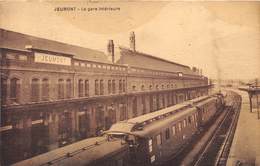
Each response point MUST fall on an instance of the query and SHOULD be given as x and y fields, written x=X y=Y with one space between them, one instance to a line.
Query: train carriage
x=97 y=151
x=156 y=137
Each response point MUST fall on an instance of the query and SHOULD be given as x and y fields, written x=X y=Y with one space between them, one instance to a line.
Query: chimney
x=132 y=41
x=110 y=50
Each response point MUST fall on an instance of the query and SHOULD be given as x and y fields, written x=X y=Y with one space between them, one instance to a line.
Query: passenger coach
x=157 y=137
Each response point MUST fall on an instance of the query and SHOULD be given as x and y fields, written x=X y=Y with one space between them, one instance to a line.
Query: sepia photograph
x=129 y=83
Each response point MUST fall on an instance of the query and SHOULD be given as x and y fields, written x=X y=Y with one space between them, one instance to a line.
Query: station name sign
x=51 y=59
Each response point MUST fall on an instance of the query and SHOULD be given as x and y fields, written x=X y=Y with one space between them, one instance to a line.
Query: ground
x=246 y=144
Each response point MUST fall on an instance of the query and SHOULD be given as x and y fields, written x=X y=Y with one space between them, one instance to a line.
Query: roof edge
x=154 y=57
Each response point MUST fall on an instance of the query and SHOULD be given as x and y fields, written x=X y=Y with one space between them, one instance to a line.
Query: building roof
x=18 y=41
x=138 y=59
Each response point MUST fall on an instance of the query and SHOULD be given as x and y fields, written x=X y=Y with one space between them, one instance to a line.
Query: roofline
x=123 y=132
x=29 y=35
x=49 y=51
x=154 y=57
x=15 y=49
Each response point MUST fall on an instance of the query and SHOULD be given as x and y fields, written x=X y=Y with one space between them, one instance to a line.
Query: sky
x=221 y=38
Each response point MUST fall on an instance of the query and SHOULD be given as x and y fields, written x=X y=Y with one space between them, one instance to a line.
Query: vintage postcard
x=123 y=83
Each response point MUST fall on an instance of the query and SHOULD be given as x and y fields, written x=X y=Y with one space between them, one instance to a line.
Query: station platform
x=245 y=149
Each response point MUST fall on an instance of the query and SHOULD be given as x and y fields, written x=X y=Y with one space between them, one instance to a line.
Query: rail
x=209 y=143
x=221 y=140
x=224 y=151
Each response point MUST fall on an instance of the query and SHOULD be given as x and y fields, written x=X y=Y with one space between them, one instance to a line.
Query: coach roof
x=129 y=126
x=84 y=152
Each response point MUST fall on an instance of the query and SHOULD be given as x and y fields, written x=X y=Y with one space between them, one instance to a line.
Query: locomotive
x=150 y=139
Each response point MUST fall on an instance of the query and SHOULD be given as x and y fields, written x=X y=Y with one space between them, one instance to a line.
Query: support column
x=53 y=122
x=250 y=101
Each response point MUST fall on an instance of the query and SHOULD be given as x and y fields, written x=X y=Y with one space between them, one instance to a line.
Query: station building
x=53 y=93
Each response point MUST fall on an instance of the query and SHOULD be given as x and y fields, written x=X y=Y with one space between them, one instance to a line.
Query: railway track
x=217 y=149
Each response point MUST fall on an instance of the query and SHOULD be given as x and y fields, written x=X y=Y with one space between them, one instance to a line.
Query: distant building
x=54 y=93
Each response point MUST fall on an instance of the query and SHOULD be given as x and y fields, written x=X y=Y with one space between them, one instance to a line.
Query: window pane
x=3 y=90
x=96 y=87
x=167 y=133
x=109 y=87
x=152 y=158
x=113 y=86
x=61 y=89
x=68 y=88
x=101 y=87
x=45 y=89
x=80 y=88
x=35 y=90
x=86 y=88
x=173 y=130
x=159 y=139
x=179 y=126
x=150 y=143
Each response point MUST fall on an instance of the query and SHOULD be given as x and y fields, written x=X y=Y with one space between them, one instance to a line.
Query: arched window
x=96 y=87
x=35 y=91
x=101 y=87
x=86 y=88
x=124 y=86
x=133 y=88
x=14 y=90
x=113 y=86
x=80 y=88
x=68 y=88
x=120 y=86
x=142 y=87
x=60 y=89
x=3 y=90
x=109 y=87
x=45 y=89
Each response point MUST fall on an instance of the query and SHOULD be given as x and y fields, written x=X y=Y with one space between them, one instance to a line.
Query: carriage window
x=152 y=158
x=184 y=123
x=150 y=145
x=173 y=130
x=167 y=133
x=190 y=119
x=159 y=139
x=179 y=125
